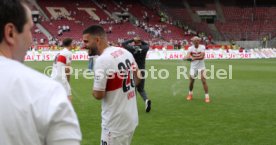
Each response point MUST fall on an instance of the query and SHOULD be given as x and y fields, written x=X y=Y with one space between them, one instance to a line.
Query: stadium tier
x=234 y=20
x=159 y=20
x=80 y=14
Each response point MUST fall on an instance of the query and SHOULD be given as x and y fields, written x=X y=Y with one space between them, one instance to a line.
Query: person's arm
x=201 y=57
x=144 y=43
x=189 y=55
x=100 y=79
x=68 y=66
x=202 y=54
x=145 y=46
x=61 y=119
x=127 y=46
x=99 y=95
x=68 y=72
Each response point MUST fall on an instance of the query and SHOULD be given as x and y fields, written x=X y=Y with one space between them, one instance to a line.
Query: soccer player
x=62 y=65
x=196 y=54
x=114 y=84
x=34 y=109
x=139 y=51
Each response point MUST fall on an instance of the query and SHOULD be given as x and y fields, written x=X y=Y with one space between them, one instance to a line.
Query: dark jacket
x=139 y=52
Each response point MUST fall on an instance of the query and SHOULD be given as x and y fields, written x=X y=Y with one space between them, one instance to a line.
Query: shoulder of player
x=191 y=47
x=112 y=50
x=25 y=76
x=125 y=51
x=70 y=52
x=202 y=46
x=104 y=58
x=66 y=52
x=22 y=71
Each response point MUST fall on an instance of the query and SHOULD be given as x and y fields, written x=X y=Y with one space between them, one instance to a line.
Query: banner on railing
x=165 y=54
x=206 y=13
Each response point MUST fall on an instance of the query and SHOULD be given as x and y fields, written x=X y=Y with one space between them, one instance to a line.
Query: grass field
x=242 y=110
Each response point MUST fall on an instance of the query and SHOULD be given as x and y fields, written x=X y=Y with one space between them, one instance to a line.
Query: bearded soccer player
x=61 y=66
x=196 y=54
x=114 y=84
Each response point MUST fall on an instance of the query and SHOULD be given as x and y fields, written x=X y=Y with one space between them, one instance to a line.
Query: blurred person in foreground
x=34 y=109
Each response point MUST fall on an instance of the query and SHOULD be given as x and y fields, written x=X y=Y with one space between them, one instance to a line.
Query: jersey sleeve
x=61 y=118
x=102 y=66
x=203 y=48
x=61 y=58
x=59 y=74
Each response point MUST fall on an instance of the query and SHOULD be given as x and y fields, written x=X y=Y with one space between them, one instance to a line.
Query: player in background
x=196 y=54
x=34 y=110
x=139 y=51
x=62 y=65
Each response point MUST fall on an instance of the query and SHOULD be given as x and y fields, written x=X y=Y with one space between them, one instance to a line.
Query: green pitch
x=242 y=110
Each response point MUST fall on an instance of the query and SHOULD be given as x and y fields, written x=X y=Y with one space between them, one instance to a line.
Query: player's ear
x=9 y=33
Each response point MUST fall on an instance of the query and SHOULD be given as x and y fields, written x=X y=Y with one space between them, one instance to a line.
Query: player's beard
x=94 y=49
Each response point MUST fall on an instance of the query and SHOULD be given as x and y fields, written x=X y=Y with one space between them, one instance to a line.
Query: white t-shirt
x=119 y=106
x=197 y=64
x=64 y=58
x=34 y=109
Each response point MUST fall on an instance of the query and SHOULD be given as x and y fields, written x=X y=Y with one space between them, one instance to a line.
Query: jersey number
x=128 y=73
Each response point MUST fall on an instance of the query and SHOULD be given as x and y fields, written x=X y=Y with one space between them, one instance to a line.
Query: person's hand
x=136 y=38
x=189 y=59
x=186 y=58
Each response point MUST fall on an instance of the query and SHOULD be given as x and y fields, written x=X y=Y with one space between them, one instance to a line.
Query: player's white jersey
x=119 y=108
x=34 y=110
x=197 y=64
x=62 y=60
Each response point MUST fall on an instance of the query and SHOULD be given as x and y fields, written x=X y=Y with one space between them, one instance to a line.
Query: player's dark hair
x=67 y=42
x=95 y=30
x=12 y=11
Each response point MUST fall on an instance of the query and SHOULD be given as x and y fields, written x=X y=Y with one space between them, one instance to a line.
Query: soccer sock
x=190 y=92
x=206 y=95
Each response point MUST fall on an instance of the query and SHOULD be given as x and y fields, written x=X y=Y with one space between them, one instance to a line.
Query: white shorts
x=107 y=138
x=195 y=71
